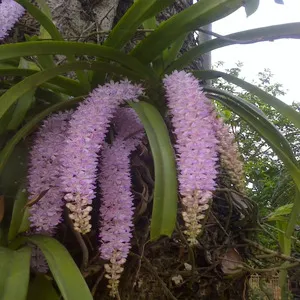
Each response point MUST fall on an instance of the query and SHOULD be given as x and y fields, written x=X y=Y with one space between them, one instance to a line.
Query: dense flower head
x=128 y=126
x=193 y=120
x=229 y=155
x=116 y=207
x=116 y=210
x=86 y=134
x=10 y=13
x=44 y=171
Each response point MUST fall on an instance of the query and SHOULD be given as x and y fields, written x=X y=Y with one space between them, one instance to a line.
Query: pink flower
x=44 y=171
x=196 y=145
x=43 y=175
x=88 y=127
x=116 y=209
x=230 y=156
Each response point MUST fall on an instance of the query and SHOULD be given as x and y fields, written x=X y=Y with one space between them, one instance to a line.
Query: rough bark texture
x=78 y=18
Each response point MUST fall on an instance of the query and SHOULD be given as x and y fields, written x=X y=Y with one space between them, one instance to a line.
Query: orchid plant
x=92 y=122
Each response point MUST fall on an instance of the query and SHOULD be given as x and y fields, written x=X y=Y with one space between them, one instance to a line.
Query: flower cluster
x=86 y=134
x=116 y=209
x=44 y=171
x=10 y=13
x=229 y=155
x=196 y=147
x=43 y=178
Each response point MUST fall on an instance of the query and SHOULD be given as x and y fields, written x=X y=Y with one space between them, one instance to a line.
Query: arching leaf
x=270 y=33
x=164 y=211
x=195 y=16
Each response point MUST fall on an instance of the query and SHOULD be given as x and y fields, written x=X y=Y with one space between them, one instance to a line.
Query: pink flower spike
x=196 y=146
x=44 y=171
x=116 y=210
x=88 y=127
x=230 y=156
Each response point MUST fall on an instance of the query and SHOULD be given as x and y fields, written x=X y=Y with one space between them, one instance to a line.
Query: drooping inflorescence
x=44 y=171
x=10 y=13
x=193 y=120
x=116 y=210
x=43 y=178
x=230 y=158
x=86 y=134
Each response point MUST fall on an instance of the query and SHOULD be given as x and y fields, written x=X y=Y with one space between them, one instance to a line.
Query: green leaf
x=285 y=109
x=75 y=48
x=279 y=212
x=197 y=15
x=44 y=34
x=18 y=213
x=42 y=288
x=294 y=217
x=171 y=54
x=14 y=275
x=139 y=12
x=26 y=64
x=251 y=6
x=72 y=87
x=45 y=61
x=270 y=33
x=48 y=25
x=23 y=105
x=164 y=211
x=64 y=270
x=27 y=128
x=33 y=81
x=124 y=30
x=41 y=17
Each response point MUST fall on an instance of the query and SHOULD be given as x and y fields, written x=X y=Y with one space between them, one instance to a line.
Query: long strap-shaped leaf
x=42 y=18
x=164 y=211
x=14 y=274
x=18 y=212
x=270 y=33
x=33 y=81
x=283 y=108
x=66 y=83
x=42 y=288
x=197 y=15
x=54 y=33
x=140 y=11
x=64 y=270
x=74 y=48
x=27 y=128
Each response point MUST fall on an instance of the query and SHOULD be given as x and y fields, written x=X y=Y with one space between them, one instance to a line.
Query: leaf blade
x=18 y=212
x=26 y=129
x=165 y=191
x=33 y=81
x=65 y=272
x=17 y=271
x=195 y=16
x=285 y=109
x=269 y=33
